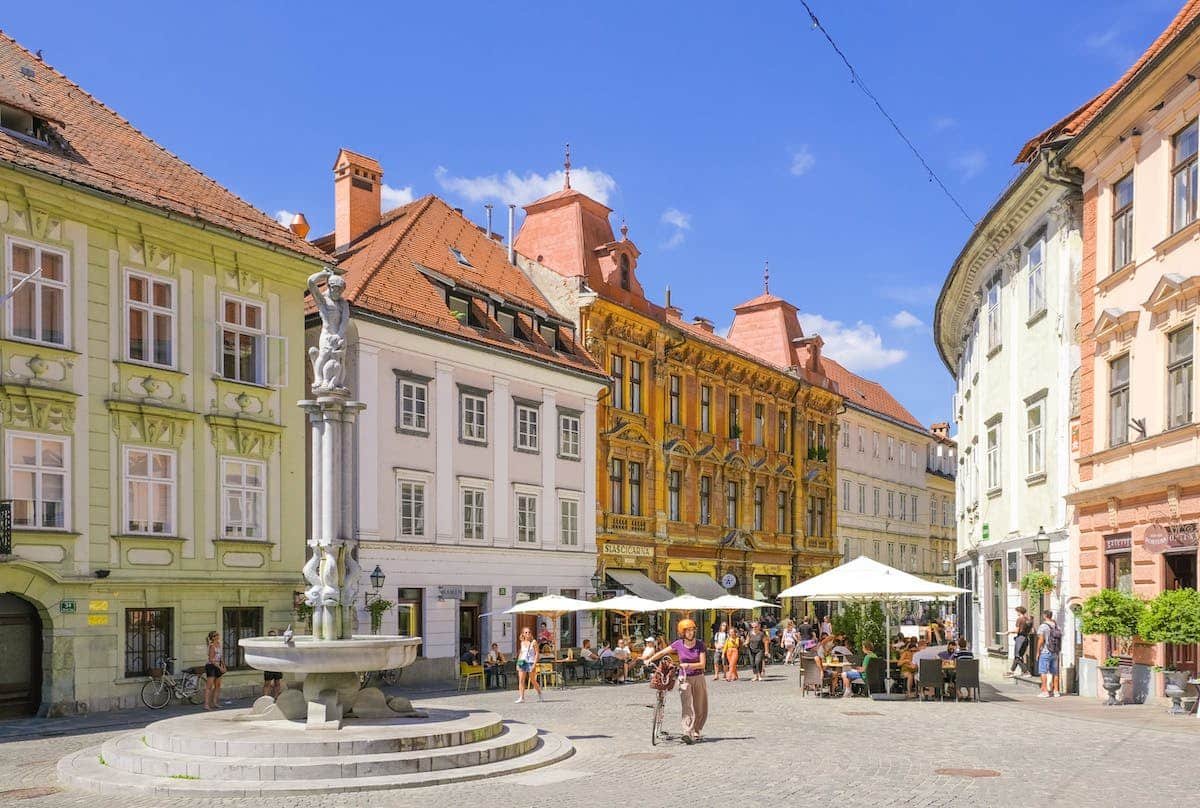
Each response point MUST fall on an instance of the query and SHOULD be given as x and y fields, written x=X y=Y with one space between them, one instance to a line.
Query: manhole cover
x=967 y=772
x=647 y=756
x=30 y=793
x=867 y=712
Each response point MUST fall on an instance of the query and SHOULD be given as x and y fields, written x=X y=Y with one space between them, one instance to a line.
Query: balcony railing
x=622 y=523
x=818 y=543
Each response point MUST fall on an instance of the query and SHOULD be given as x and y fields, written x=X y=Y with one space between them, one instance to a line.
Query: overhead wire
x=857 y=80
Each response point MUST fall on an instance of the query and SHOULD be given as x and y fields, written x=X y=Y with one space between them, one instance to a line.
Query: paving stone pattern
x=764 y=745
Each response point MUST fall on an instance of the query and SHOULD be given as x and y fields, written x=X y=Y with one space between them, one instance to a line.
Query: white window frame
x=568 y=521
x=891 y=449
x=406 y=392
x=912 y=501
x=37 y=284
x=422 y=481
x=38 y=471
x=567 y=446
x=995 y=314
x=845 y=495
x=1036 y=276
x=243 y=490
x=862 y=497
x=151 y=483
x=875 y=444
x=1035 y=439
x=891 y=504
x=479 y=489
x=523 y=496
x=258 y=334
x=994 y=480
x=903 y=507
x=527 y=437
x=903 y=454
x=474 y=428
x=150 y=310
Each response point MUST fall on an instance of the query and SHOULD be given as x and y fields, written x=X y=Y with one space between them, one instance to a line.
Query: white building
x=475 y=456
x=1004 y=325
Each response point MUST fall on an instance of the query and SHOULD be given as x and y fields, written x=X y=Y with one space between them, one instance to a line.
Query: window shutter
x=277 y=364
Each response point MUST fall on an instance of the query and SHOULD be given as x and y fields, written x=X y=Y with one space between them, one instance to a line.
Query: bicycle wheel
x=656 y=719
x=156 y=694
x=194 y=689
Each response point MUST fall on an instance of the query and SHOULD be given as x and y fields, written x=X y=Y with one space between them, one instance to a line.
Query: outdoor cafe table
x=834 y=671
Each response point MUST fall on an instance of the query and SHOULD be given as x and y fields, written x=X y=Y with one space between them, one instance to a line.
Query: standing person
x=495 y=663
x=1048 y=648
x=757 y=643
x=1021 y=642
x=527 y=665
x=790 y=639
x=733 y=642
x=272 y=680
x=826 y=626
x=718 y=645
x=214 y=669
x=622 y=653
x=693 y=691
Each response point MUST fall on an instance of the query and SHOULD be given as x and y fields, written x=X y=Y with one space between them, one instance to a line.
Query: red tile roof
x=384 y=275
x=95 y=147
x=869 y=395
x=1074 y=123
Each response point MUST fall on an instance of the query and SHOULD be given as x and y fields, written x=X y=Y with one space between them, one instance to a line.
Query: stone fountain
x=369 y=741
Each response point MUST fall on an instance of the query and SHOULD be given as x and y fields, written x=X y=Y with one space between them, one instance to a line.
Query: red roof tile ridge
x=887 y=400
x=423 y=204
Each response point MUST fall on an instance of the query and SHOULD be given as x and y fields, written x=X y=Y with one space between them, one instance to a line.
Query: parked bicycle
x=163 y=684
x=663 y=675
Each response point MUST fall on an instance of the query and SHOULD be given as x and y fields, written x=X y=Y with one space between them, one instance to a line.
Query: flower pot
x=1175 y=686
x=1111 y=684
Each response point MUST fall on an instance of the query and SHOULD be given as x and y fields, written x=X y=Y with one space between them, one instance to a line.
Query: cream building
x=941 y=469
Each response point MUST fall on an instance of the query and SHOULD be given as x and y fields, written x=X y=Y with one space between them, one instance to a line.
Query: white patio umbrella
x=551 y=606
x=731 y=603
x=626 y=605
x=864 y=580
x=685 y=603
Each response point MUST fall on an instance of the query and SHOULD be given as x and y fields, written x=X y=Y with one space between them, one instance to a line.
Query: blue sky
x=724 y=140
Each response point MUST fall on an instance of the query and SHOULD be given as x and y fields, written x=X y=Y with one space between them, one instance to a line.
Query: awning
x=640 y=585
x=698 y=584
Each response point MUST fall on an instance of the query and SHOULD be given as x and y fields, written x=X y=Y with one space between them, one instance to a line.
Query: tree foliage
x=1114 y=613
x=1172 y=617
x=861 y=622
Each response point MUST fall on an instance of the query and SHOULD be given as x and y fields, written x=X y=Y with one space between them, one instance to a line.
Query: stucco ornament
x=328 y=357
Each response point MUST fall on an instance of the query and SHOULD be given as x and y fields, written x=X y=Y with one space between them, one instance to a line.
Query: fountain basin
x=307 y=655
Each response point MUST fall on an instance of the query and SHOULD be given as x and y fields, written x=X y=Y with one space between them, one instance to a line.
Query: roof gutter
x=850 y=405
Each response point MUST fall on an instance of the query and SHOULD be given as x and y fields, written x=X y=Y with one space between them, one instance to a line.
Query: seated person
x=588 y=654
x=823 y=648
x=492 y=665
x=859 y=672
x=606 y=652
x=647 y=651
x=623 y=653
x=962 y=651
x=470 y=657
x=840 y=648
x=908 y=667
x=948 y=653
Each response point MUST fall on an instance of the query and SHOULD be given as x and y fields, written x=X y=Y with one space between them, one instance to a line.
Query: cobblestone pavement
x=764 y=745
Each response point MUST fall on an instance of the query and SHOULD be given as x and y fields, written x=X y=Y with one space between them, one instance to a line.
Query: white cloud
x=511 y=187
x=944 y=122
x=802 y=161
x=906 y=319
x=858 y=347
x=390 y=197
x=970 y=164
x=679 y=223
x=284 y=217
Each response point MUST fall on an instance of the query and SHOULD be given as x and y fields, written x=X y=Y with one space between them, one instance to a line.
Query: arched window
x=625 y=272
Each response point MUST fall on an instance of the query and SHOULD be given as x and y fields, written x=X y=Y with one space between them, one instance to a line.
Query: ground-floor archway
x=20 y=657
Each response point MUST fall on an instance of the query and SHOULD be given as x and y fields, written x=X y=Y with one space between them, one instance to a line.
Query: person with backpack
x=1049 y=647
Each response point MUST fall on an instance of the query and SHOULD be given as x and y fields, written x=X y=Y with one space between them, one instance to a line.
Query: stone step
x=129 y=753
x=216 y=734
x=84 y=770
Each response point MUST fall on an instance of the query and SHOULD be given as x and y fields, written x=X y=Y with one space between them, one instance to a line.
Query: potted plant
x=1173 y=617
x=1115 y=614
x=378 y=607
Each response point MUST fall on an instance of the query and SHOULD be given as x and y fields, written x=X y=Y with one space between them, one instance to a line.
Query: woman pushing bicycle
x=693 y=692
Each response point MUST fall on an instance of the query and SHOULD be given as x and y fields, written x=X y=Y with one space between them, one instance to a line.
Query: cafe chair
x=967 y=678
x=811 y=680
x=874 y=676
x=610 y=668
x=548 y=675
x=468 y=672
x=929 y=676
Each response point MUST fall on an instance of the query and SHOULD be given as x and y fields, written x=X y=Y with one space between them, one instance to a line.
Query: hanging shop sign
x=729 y=580
x=1117 y=543
x=1162 y=538
x=636 y=550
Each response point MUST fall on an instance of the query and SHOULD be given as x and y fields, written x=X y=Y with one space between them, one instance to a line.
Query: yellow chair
x=466 y=673
x=546 y=671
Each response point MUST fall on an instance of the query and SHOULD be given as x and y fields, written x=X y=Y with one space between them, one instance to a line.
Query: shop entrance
x=20 y=658
x=470 y=632
x=1181 y=574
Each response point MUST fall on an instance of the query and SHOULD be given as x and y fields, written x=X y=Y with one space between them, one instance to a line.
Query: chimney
x=940 y=430
x=356 y=186
x=299 y=226
x=512 y=226
x=488 y=209
x=672 y=311
x=704 y=323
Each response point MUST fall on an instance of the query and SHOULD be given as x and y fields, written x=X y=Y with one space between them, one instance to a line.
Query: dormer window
x=460 y=258
x=625 y=272
x=19 y=122
x=508 y=322
x=463 y=310
x=549 y=335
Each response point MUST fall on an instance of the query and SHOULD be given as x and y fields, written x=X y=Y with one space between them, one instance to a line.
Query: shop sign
x=1160 y=538
x=97 y=620
x=729 y=580
x=629 y=550
x=97 y=605
x=450 y=592
x=66 y=607
x=985 y=531
x=1121 y=541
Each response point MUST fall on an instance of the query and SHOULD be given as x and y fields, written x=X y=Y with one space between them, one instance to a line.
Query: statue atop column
x=328 y=357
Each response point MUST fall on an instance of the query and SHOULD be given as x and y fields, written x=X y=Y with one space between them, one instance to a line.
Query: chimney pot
x=704 y=323
x=299 y=225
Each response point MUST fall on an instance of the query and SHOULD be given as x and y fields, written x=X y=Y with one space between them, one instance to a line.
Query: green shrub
x=861 y=622
x=1172 y=617
x=1115 y=614
x=377 y=608
x=1037 y=583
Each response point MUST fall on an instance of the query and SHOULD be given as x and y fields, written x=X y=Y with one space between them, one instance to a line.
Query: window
x=731 y=504
x=816 y=516
x=781 y=520
x=845 y=435
x=875 y=501
x=147 y=639
x=705 y=408
x=568 y=435
x=735 y=429
x=903 y=453
x=759 y=494
x=1183 y=177
x=459 y=257
x=243 y=499
x=473 y=512
x=150 y=319
x=1035 y=455
x=1179 y=377
x=946 y=507
x=845 y=495
x=410 y=614
x=568 y=522
x=891 y=512
x=673 y=403
x=549 y=335
x=412 y=508
x=413 y=399
x=625 y=272
x=616 y=485
x=862 y=438
x=474 y=417
x=635 y=488
x=39 y=310
x=1035 y=278
x=862 y=498
x=933 y=506
x=20 y=122
x=891 y=444
x=1118 y=401
x=1122 y=222
x=508 y=322
x=464 y=310
x=674 y=481
x=527 y=428
x=38 y=480
x=912 y=457
x=237 y=623
x=527 y=518
x=1119 y=572
x=912 y=499
x=903 y=547
x=993 y=457
x=635 y=386
x=243 y=333
x=760 y=419
x=617 y=371
x=706 y=500
x=150 y=491
x=903 y=508
x=993 y=313
x=781 y=438
x=875 y=444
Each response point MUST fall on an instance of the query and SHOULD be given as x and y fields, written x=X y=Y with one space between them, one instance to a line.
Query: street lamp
x=377 y=577
x=945 y=565
x=597 y=582
x=1041 y=542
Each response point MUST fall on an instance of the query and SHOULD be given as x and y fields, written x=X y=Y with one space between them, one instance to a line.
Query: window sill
x=416 y=433
x=1184 y=234
x=526 y=450
x=1036 y=479
x=573 y=458
x=1116 y=277
x=154 y=537
x=243 y=541
x=469 y=441
x=62 y=351
x=1038 y=315
x=150 y=366
x=995 y=492
x=237 y=383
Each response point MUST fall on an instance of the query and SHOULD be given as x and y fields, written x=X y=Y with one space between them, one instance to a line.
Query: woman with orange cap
x=693 y=693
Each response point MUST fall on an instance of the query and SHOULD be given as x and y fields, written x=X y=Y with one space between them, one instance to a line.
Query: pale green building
x=152 y=449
